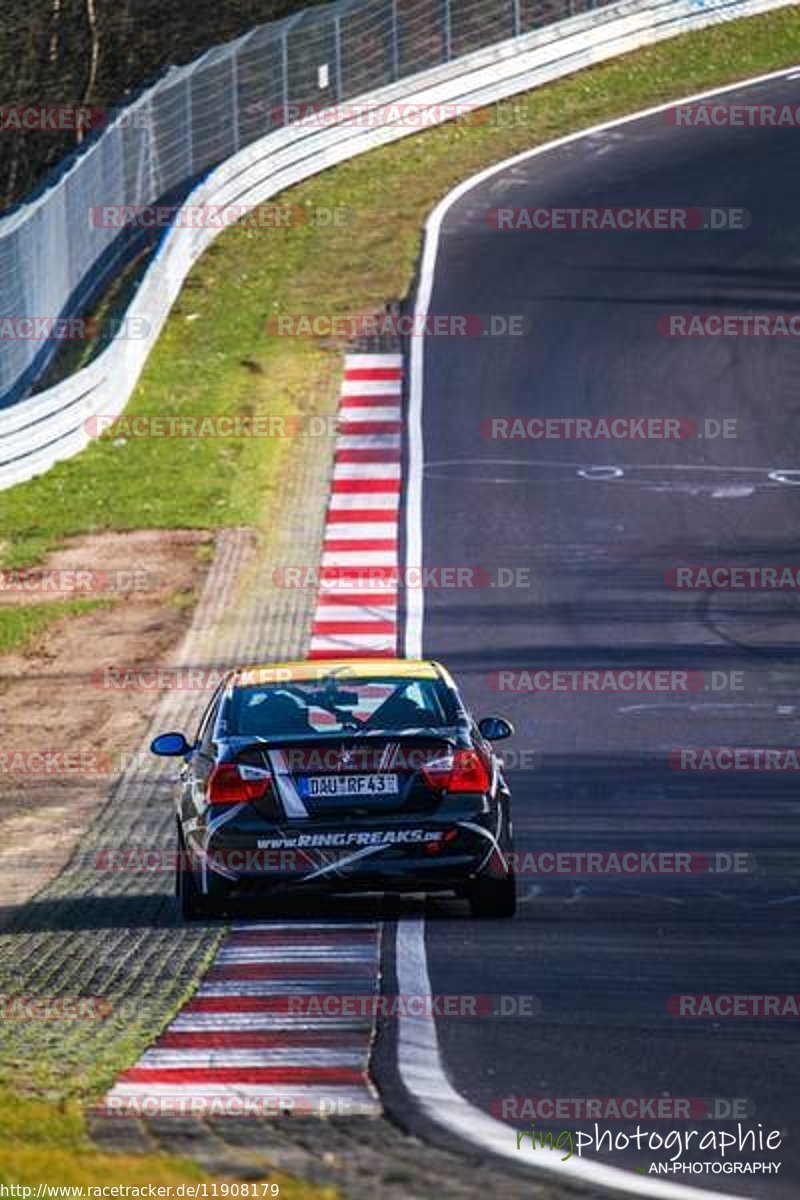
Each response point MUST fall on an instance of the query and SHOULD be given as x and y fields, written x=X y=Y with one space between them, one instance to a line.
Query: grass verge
x=47 y=1143
x=21 y=624
x=215 y=358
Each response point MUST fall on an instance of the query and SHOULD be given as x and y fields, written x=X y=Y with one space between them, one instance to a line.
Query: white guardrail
x=44 y=429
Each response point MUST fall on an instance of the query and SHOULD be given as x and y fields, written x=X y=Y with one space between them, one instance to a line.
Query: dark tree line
x=96 y=52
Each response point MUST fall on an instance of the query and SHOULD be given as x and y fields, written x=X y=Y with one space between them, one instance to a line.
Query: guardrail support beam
x=394 y=36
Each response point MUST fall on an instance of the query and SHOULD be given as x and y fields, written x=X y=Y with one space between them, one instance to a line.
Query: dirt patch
x=69 y=729
x=149 y=564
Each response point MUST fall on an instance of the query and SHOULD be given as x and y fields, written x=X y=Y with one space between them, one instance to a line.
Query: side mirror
x=170 y=745
x=494 y=729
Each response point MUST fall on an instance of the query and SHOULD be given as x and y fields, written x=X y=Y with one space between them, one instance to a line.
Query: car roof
x=347 y=668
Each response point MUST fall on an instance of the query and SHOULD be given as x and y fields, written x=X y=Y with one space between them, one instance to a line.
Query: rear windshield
x=336 y=706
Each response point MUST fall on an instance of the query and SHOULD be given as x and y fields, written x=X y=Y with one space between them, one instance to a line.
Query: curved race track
x=604 y=954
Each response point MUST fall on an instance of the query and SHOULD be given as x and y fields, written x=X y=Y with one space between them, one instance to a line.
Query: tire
x=191 y=905
x=493 y=898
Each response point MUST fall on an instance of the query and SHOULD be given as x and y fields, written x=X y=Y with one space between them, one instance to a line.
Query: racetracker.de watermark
x=734 y=325
x=73 y=581
x=715 y=115
x=376 y=116
x=190 y=427
x=604 y=429
x=221 y=1103
x=77 y=762
x=388 y=324
x=620 y=1108
x=26 y=328
x=735 y=758
x=413 y=1005
x=53 y=1008
x=377 y=579
x=729 y=577
x=631 y=862
x=141 y=860
x=217 y=216
x=68 y=118
x=617 y=219
x=746 y=1005
x=615 y=681
x=157 y=679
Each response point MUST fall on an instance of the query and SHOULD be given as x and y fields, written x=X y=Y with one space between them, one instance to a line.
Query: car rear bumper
x=405 y=857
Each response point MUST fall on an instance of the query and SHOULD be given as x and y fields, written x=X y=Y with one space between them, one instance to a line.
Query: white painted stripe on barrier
x=355 y=415
x=366 y=470
x=359 y=558
x=361 y=613
x=369 y=441
x=300 y=1056
x=351 y=644
x=363 y=361
x=388 y=501
x=353 y=985
x=371 y=387
x=379 y=597
x=304 y=952
x=303 y=928
x=362 y=530
x=264 y=1022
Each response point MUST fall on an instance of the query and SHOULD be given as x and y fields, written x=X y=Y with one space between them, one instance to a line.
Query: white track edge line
x=421 y=1070
x=480 y=1128
x=432 y=232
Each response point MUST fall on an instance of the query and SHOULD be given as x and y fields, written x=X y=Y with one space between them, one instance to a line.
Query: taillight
x=235 y=783
x=464 y=771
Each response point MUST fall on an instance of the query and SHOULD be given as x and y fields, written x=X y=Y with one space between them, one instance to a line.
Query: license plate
x=350 y=785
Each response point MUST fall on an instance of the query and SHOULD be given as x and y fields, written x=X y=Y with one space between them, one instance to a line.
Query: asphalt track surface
x=604 y=954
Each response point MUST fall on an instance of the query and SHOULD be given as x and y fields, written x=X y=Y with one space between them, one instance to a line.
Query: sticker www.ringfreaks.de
x=311 y=841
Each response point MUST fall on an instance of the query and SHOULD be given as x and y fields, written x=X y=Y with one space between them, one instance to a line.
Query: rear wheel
x=493 y=898
x=193 y=906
